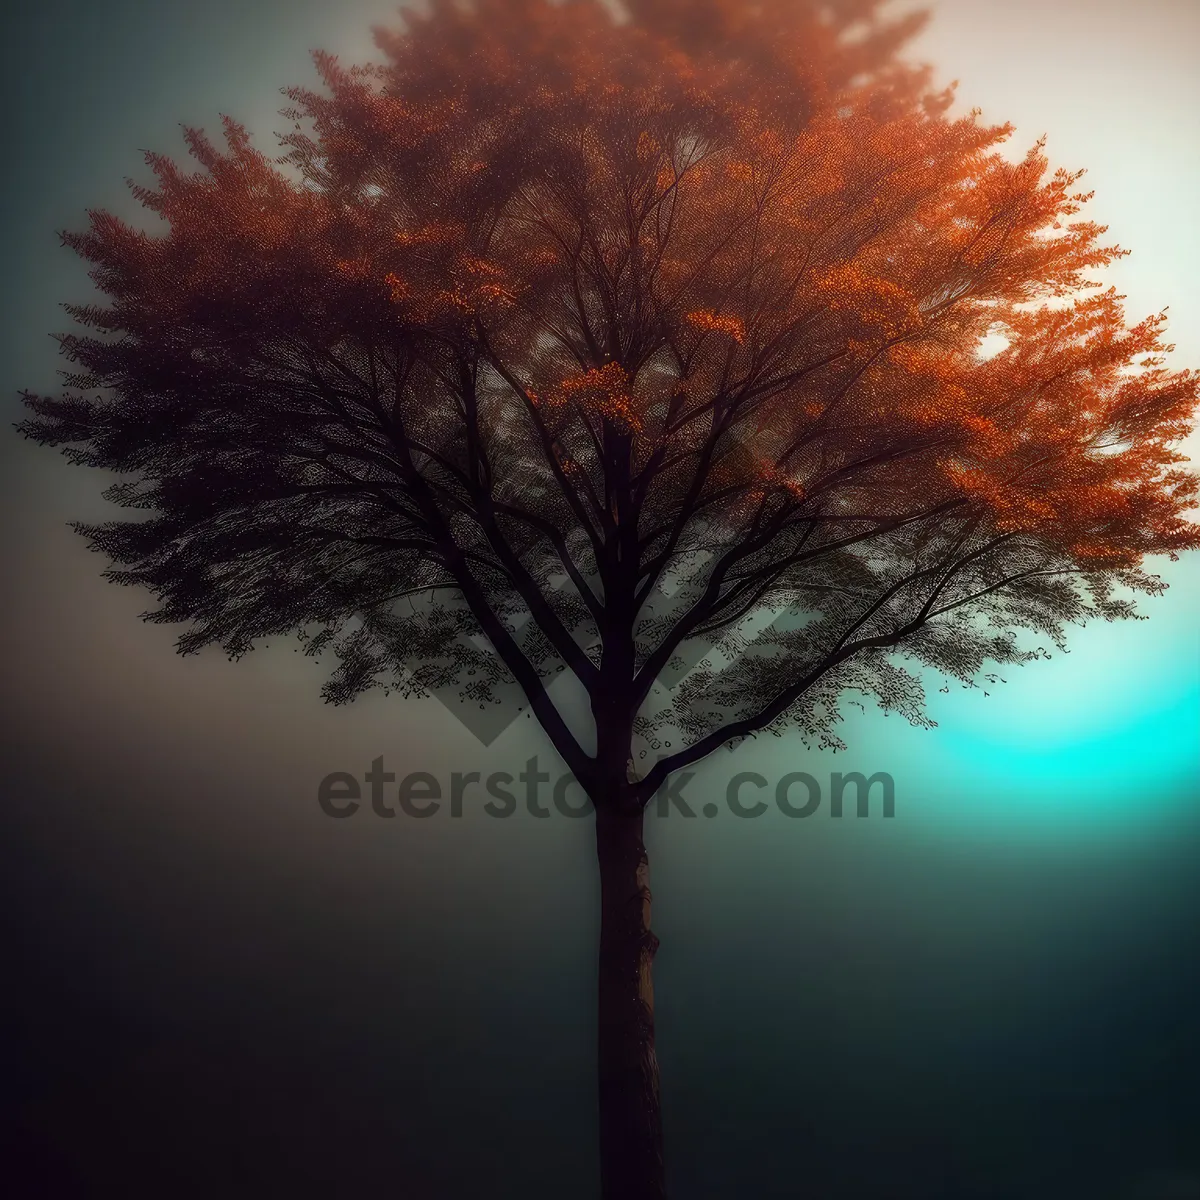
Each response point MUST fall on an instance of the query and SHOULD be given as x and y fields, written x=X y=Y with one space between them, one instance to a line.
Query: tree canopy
x=638 y=349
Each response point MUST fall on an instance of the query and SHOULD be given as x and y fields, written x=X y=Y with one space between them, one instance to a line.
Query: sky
x=989 y=995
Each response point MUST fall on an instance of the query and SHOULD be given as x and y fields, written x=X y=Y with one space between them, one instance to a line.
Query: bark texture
x=631 y=1149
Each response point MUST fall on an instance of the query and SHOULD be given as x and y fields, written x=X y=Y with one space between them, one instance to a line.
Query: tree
x=645 y=348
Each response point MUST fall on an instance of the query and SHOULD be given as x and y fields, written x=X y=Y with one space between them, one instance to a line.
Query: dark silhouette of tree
x=649 y=349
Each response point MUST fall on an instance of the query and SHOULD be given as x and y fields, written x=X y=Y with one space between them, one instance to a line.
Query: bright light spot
x=991 y=345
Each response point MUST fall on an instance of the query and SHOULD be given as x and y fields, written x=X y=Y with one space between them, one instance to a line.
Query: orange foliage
x=713 y=220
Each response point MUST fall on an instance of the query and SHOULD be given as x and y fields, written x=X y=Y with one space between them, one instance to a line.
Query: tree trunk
x=631 y=1154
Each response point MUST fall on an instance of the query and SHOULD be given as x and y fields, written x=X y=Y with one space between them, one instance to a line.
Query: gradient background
x=219 y=991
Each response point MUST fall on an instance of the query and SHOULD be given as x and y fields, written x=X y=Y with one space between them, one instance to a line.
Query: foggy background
x=214 y=989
